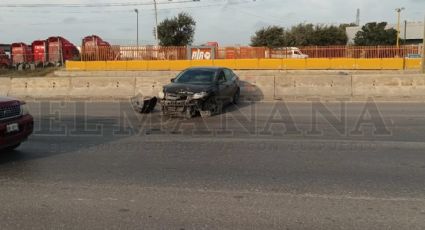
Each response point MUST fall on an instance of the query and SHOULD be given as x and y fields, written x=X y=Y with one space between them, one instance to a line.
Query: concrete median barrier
x=40 y=87
x=313 y=86
x=150 y=86
x=5 y=86
x=255 y=85
x=102 y=87
x=388 y=86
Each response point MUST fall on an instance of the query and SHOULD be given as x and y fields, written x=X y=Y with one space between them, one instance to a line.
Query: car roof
x=215 y=68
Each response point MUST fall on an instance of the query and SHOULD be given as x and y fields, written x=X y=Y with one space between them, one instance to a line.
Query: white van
x=287 y=52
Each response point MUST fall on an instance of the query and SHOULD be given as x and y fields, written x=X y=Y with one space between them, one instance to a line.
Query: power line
x=87 y=21
x=86 y=5
x=131 y=10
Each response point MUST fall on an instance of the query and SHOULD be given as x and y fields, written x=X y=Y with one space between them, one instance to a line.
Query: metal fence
x=181 y=53
x=361 y=51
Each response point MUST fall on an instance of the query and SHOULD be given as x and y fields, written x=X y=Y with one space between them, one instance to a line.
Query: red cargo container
x=96 y=49
x=61 y=50
x=21 y=54
x=39 y=50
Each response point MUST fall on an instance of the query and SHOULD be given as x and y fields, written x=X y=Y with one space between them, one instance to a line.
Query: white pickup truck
x=287 y=52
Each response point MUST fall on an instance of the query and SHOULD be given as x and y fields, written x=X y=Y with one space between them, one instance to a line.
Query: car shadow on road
x=10 y=156
x=250 y=92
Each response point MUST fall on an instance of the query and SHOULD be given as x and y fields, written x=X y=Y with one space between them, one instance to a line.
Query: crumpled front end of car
x=180 y=104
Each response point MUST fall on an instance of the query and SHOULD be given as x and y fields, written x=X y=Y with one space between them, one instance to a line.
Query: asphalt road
x=93 y=165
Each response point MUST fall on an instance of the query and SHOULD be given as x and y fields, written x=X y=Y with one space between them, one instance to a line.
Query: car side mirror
x=172 y=79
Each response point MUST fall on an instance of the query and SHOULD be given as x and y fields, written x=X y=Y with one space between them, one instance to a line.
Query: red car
x=16 y=124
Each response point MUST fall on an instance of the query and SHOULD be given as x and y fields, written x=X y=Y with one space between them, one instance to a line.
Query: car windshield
x=196 y=76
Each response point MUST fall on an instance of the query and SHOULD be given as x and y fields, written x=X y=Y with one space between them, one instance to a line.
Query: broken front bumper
x=180 y=107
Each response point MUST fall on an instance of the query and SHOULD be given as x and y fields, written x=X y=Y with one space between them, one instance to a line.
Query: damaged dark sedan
x=201 y=90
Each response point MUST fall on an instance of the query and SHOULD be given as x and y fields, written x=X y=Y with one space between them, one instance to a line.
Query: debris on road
x=143 y=104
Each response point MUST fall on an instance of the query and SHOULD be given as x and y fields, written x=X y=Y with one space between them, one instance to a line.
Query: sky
x=229 y=22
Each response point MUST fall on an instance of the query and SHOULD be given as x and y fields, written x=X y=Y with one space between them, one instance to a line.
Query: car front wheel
x=211 y=107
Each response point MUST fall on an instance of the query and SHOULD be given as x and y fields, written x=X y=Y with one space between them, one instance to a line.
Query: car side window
x=221 y=77
x=229 y=75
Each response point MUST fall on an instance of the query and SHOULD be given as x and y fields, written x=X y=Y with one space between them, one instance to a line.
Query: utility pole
x=398 y=10
x=423 y=51
x=137 y=27
x=358 y=17
x=405 y=31
x=156 y=21
x=155 y=3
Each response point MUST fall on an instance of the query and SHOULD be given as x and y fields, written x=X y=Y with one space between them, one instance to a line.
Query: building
x=412 y=32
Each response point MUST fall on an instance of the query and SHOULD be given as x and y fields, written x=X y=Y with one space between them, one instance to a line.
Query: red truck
x=16 y=124
x=5 y=62
x=94 y=48
x=39 y=50
x=61 y=50
x=21 y=54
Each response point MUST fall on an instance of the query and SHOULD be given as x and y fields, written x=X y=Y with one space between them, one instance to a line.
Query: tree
x=300 y=35
x=329 y=35
x=373 y=34
x=272 y=37
x=178 y=31
x=316 y=35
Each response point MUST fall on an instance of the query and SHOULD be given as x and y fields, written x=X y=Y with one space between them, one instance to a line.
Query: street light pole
x=137 y=26
x=398 y=10
x=156 y=21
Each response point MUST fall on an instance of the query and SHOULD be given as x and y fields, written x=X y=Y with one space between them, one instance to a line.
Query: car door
x=228 y=89
x=223 y=87
x=231 y=81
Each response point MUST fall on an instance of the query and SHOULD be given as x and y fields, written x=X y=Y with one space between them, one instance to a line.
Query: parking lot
x=273 y=165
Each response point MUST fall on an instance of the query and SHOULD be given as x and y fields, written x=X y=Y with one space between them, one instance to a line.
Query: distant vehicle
x=413 y=56
x=95 y=48
x=203 y=90
x=214 y=44
x=39 y=50
x=21 y=55
x=16 y=124
x=5 y=61
x=288 y=52
x=61 y=50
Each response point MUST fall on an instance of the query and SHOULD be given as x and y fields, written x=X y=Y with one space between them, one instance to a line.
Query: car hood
x=7 y=101
x=187 y=88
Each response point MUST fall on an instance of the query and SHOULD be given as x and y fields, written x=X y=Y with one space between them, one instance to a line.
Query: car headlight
x=24 y=109
x=161 y=95
x=199 y=95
